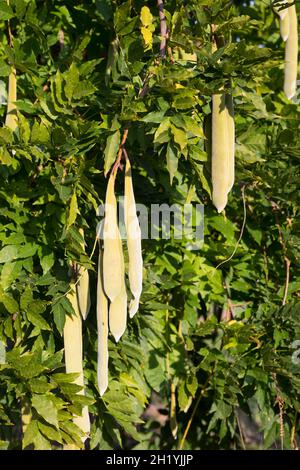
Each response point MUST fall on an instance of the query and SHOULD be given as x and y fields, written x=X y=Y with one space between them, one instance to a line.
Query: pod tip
x=117 y=337
x=133 y=307
x=220 y=208
x=289 y=94
x=220 y=202
x=102 y=390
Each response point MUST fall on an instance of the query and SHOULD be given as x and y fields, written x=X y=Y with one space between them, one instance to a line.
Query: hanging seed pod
x=113 y=260
x=102 y=328
x=220 y=151
x=134 y=242
x=73 y=356
x=231 y=139
x=223 y=140
x=284 y=26
x=83 y=287
x=283 y=20
x=291 y=55
x=118 y=314
x=11 y=120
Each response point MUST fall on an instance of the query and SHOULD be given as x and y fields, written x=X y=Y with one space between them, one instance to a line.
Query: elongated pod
x=285 y=26
x=134 y=242
x=291 y=55
x=220 y=151
x=83 y=287
x=113 y=260
x=283 y=20
x=118 y=314
x=11 y=120
x=74 y=356
x=102 y=328
x=231 y=139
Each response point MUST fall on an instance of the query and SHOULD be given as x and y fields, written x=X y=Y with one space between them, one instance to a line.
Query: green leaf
x=46 y=258
x=172 y=161
x=155 y=117
x=5 y=135
x=6 y=12
x=73 y=431
x=45 y=408
x=184 y=398
x=84 y=88
x=26 y=298
x=31 y=434
x=111 y=150
x=9 y=302
x=26 y=106
x=9 y=253
x=28 y=250
x=9 y=273
x=180 y=137
x=39 y=133
x=72 y=79
x=73 y=210
x=59 y=316
x=50 y=432
x=40 y=385
x=162 y=134
x=35 y=318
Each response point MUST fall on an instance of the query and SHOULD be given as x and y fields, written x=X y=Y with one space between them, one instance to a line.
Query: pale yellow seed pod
x=231 y=139
x=220 y=151
x=113 y=260
x=102 y=328
x=83 y=292
x=11 y=120
x=284 y=26
x=283 y=20
x=118 y=314
x=291 y=55
x=74 y=356
x=134 y=242
x=83 y=287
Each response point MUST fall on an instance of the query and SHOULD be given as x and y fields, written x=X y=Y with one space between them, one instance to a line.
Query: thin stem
x=293 y=432
x=120 y=152
x=242 y=230
x=287 y=279
x=190 y=422
x=181 y=445
x=287 y=261
x=240 y=430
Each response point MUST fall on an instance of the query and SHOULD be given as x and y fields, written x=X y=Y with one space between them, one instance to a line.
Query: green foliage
x=85 y=73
